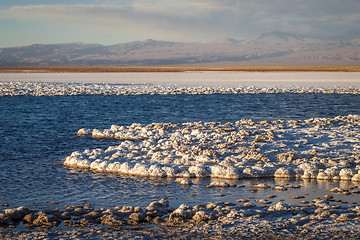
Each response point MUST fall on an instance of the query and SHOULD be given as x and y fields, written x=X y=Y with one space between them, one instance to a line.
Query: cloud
x=194 y=20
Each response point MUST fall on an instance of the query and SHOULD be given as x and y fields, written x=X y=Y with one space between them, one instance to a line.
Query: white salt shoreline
x=60 y=84
x=9 y=89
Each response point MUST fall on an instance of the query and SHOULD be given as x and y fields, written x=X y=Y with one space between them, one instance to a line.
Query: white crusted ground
x=322 y=148
x=71 y=89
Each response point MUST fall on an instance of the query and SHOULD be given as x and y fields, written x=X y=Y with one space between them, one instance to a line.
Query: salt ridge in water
x=71 y=89
x=317 y=148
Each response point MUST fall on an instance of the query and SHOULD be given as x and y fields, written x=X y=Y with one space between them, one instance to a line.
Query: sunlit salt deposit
x=74 y=89
x=317 y=148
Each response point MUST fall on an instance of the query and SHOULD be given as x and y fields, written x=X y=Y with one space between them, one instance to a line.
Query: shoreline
x=217 y=220
x=173 y=69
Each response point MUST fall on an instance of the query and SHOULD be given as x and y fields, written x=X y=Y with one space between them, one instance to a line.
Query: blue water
x=37 y=132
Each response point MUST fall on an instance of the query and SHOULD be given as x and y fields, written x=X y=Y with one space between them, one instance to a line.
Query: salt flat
x=206 y=79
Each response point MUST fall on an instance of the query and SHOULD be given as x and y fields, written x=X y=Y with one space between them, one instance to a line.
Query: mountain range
x=274 y=48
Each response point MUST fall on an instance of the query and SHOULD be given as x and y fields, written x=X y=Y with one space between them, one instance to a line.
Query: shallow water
x=37 y=132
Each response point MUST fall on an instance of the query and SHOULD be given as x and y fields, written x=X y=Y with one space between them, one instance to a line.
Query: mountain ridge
x=273 y=48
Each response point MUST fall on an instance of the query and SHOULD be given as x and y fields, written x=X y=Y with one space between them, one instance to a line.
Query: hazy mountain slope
x=275 y=48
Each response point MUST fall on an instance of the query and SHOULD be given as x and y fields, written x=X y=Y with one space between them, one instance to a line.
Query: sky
x=26 y=22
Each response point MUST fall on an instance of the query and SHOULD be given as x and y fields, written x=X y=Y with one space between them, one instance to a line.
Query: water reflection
x=104 y=190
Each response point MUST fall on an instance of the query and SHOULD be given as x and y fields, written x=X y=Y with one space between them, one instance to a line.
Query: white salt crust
x=71 y=89
x=316 y=148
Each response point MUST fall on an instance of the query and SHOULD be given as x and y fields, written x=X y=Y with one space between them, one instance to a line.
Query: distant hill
x=274 y=48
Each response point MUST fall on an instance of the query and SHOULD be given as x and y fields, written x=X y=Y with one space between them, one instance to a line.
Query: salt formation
x=220 y=184
x=224 y=217
x=261 y=186
x=72 y=89
x=317 y=148
x=184 y=181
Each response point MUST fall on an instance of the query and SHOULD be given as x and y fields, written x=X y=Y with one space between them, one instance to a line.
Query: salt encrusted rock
x=284 y=173
x=297 y=197
x=16 y=214
x=308 y=166
x=220 y=184
x=248 y=205
x=346 y=174
x=12 y=214
x=356 y=209
x=346 y=216
x=158 y=208
x=201 y=216
x=45 y=221
x=210 y=205
x=112 y=220
x=181 y=214
x=320 y=203
x=287 y=157
x=184 y=181
x=224 y=172
x=280 y=188
x=271 y=196
x=93 y=218
x=328 y=197
x=84 y=132
x=77 y=210
x=29 y=218
x=356 y=177
x=138 y=216
x=336 y=178
x=332 y=172
x=280 y=206
x=263 y=201
x=322 y=175
x=337 y=190
x=128 y=209
x=309 y=174
x=234 y=214
x=261 y=186
x=199 y=172
x=156 y=171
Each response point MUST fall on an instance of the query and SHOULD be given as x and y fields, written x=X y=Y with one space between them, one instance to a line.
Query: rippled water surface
x=37 y=132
